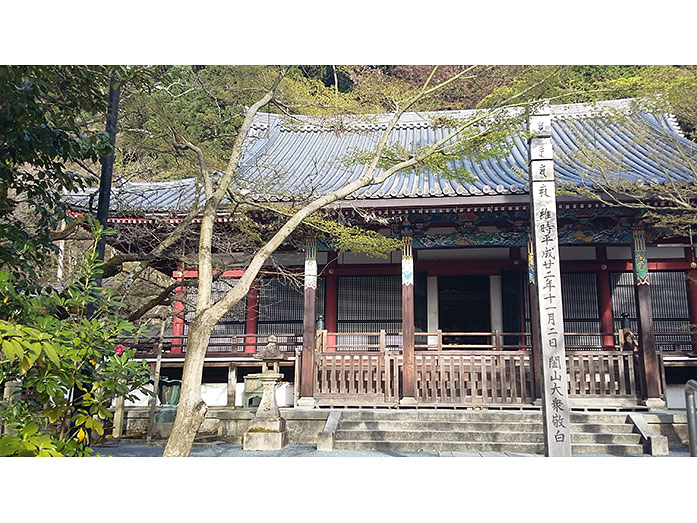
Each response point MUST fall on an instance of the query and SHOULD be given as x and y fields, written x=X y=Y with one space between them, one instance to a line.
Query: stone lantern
x=267 y=430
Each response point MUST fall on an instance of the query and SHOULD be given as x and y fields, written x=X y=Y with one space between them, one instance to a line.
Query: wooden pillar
x=605 y=306
x=691 y=276
x=331 y=302
x=307 y=370
x=178 y=315
x=535 y=356
x=604 y=297
x=408 y=369
x=692 y=293
x=647 y=350
x=252 y=317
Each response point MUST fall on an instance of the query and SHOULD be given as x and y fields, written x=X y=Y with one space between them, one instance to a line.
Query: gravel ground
x=139 y=449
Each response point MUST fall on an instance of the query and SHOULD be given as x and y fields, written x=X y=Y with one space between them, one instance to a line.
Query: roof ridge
x=415 y=119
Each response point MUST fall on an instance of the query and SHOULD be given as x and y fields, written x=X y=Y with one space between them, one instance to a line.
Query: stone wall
x=228 y=424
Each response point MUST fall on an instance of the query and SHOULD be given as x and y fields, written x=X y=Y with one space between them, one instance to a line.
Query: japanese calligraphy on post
x=543 y=216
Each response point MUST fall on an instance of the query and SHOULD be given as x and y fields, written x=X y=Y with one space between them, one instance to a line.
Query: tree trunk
x=191 y=410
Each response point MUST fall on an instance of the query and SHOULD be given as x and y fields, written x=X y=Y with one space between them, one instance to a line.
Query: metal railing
x=691 y=409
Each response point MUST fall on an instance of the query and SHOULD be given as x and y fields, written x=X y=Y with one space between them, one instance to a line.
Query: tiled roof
x=303 y=154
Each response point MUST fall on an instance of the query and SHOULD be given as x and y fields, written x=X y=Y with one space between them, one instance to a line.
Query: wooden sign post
x=550 y=318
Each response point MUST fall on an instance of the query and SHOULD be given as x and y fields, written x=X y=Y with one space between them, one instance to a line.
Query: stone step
x=602 y=427
x=477 y=436
x=429 y=415
x=617 y=449
x=485 y=446
x=481 y=415
x=470 y=426
x=440 y=446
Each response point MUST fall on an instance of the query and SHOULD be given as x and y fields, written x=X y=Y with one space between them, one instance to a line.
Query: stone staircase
x=479 y=431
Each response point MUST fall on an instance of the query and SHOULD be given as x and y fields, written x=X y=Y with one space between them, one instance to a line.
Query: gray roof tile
x=298 y=156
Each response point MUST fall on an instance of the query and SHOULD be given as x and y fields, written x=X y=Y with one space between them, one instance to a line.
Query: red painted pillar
x=692 y=297
x=252 y=317
x=178 y=315
x=408 y=369
x=691 y=276
x=692 y=293
x=331 y=302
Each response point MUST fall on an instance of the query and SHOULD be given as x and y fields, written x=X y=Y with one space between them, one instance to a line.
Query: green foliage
x=206 y=106
x=54 y=350
x=667 y=203
x=350 y=238
x=45 y=115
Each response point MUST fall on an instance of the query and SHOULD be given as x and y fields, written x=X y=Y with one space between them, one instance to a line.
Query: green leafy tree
x=50 y=350
x=665 y=200
x=48 y=117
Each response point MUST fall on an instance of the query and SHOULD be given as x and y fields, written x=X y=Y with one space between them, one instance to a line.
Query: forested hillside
x=205 y=104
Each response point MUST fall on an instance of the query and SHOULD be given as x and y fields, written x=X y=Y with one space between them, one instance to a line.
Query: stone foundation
x=304 y=425
x=231 y=424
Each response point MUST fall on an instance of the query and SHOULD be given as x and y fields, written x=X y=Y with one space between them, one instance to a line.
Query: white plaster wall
x=495 y=302
x=572 y=253
x=214 y=394
x=619 y=253
x=474 y=253
x=284 y=394
x=653 y=253
x=141 y=401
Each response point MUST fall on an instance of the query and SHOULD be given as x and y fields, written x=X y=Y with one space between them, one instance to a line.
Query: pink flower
x=119 y=349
